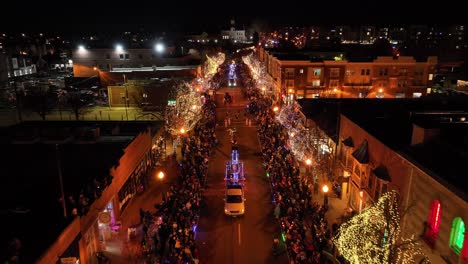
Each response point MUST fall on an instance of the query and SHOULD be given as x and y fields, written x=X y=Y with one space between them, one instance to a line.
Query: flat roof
x=30 y=189
x=391 y=122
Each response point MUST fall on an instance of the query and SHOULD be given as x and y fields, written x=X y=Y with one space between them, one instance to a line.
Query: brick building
x=102 y=165
x=414 y=146
x=93 y=62
x=312 y=74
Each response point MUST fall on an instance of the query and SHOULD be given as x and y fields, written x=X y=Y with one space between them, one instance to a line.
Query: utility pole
x=18 y=101
x=59 y=170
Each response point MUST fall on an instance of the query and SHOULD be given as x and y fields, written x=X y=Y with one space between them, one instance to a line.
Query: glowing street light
x=118 y=48
x=81 y=48
x=275 y=109
x=182 y=130
x=380 y=90
x=325 y=195
x=325 y=188
x=161 y=175
x=308 y=161
x=159 y=47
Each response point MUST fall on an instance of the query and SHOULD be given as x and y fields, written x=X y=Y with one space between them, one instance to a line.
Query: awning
x=361 y=154
x=348 y=142
x=382 y=173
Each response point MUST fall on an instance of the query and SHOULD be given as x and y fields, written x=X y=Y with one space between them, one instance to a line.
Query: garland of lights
x=210 y=68
x=374 y=236
x=259 y=73
x=187 y=110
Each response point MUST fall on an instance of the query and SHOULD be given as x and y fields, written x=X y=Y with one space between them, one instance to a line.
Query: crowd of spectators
x=304 y=229
x=169 y=232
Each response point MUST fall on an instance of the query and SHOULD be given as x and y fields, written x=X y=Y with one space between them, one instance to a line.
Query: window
x=357 y=170
x=349 y=72
x=433 y=222
x=380 y=189
x=363 y=72
x=121 y=56
x=335 y=72
x=312 y=74
x=140 y=56
x=127 y=56
x=333 y=83
x=108 y=56
x=383 y=72
x=431 y=76
x=290 y=83
x=289 y=73
x=301 y=71
x=367 y=71
x=316 y=83
x=457 y=235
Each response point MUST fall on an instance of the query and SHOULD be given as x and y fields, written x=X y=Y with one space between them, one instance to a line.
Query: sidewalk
x=337 y=206
x=121 y=249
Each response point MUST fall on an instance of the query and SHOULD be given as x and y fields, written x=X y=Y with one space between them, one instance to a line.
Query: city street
x=249 y=238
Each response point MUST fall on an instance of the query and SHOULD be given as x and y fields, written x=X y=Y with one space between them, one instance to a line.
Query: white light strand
x=374 y=236
x=186 y=112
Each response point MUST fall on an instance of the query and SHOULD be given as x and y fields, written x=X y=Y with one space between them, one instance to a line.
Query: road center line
x=239 y=232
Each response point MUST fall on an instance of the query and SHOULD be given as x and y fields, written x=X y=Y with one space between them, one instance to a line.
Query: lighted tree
x=374 y=236
x=212 y=63
x=187 y=109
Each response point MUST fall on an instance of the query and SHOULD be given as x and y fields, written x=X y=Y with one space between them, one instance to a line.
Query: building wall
x=105 y=60
x=379 y=154
x=387 y=77
x=423 y=191
x=134 y=154
x=417 y=189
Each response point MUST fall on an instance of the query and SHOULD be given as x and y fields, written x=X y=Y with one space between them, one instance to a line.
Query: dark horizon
x=98 y=17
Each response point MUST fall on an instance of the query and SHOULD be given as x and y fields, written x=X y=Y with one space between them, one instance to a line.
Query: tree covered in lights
x=186 y=111
x=210 y=67
x=374 y=236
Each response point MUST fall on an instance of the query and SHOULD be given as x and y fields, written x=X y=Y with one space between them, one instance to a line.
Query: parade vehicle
x=234 y=200
x=234 y=168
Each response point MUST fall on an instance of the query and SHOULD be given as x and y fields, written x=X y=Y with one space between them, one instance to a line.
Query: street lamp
x=118 y=48
x=275 y=109
x=161 y=175
x=325 y=195
x=159 y=47
x=182 y=130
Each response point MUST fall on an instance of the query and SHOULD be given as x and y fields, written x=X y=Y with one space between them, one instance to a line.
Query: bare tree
x=40 y=99
x=77 y=103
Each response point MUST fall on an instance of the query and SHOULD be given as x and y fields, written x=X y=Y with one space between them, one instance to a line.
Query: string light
x=374 y=236
x=187 y=110
x=211 y=65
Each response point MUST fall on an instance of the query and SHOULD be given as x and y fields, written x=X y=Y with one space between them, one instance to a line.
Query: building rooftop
x=31 y=194
x=391 y=121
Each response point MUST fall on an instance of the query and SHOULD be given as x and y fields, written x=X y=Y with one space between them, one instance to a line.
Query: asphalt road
x=249 y=238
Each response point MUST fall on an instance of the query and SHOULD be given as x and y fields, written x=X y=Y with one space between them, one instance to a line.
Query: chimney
x=421 y=135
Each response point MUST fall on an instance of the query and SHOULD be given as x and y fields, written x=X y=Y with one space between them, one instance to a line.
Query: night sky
x=184 y=16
